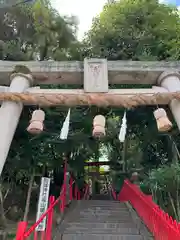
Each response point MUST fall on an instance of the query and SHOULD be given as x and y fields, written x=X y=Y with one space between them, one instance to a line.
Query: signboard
x=43 y=203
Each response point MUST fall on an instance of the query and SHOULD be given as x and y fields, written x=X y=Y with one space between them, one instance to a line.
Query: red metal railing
x=160 y=224
x=23 y=234
x=86 y=192
x=113 y=193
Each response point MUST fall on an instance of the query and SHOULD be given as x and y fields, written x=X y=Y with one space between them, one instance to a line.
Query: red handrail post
x=114 y=193
x=50 y=219
x=43 y=235
x=71 y=189
x=76 y=193
x=63 y=195
x=35 y=235
x=63 y=192
x=86 y=191
x=21 y=230
x=65 y=189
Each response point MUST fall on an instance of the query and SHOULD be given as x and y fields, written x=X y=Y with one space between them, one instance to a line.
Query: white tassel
x=65 y=127
x=122 y=133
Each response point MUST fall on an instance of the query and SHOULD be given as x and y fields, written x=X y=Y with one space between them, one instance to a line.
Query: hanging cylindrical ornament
x=163 y=123
x=122 y=133
x=36 y=125
x=99 y=126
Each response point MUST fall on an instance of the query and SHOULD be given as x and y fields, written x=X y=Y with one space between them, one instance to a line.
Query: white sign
x=43 y=203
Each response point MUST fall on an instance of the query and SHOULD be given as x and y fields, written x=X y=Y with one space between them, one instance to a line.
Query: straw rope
x=98 y=99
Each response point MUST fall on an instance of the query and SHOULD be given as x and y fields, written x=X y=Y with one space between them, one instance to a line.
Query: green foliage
x=164 y=183
x=135 y=30
x=34 y=31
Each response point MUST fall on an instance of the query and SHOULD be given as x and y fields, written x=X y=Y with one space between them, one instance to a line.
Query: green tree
x=135 y=30
x=34 y=31
x=164 y=183
x=30 y=32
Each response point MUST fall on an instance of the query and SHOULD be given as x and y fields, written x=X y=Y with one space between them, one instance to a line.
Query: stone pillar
x=171 y=81
x=10 y=113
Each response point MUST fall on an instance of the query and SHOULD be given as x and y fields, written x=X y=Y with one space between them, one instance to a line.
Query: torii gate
x=97 y=75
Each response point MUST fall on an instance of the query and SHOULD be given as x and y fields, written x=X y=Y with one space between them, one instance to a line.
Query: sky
x=176 y=2
x=85 y=10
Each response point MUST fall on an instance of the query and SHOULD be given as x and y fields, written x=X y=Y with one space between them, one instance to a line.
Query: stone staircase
x=101 y=219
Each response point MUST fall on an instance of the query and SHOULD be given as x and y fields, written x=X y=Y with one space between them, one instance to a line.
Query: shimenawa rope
x=98 y=99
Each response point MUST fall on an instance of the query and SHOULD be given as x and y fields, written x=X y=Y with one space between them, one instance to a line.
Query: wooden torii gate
x=95 y=75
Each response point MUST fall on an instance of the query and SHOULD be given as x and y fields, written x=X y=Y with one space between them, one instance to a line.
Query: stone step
x=84 y=206
x=96 y=218
x=100 y=237
x=93 y=217
x=102 y=213
x=113 y=208
x=102 y=203
x=74 y=230
x=99 y=225
x=105 y=211
x=93 y=214
x=102 y=198
x=105 y=204
x=102 y=220
x=102 y=210
x=111 y=205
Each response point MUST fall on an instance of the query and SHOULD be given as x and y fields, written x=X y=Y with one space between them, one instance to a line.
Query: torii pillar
x=171 y=82
x=10 y=113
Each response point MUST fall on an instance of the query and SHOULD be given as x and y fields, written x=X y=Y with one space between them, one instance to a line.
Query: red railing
x=160 y=224
x=113 y=193
x=23 y=234
x=86 y=192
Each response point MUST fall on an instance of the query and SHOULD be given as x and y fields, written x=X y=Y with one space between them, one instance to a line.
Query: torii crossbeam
x=95 y=75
